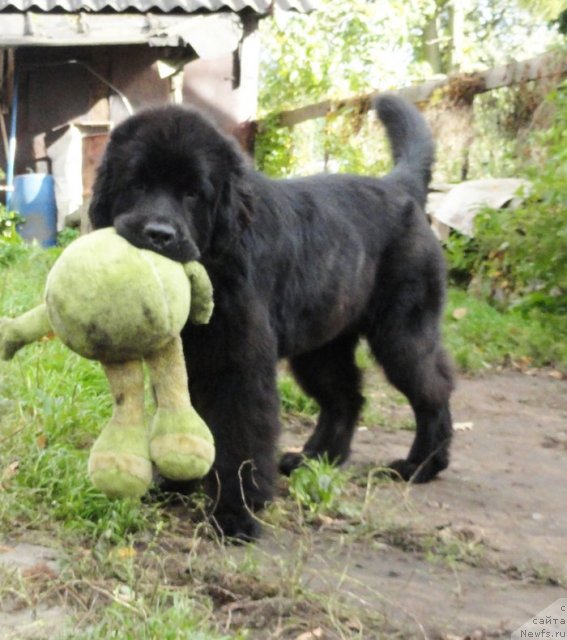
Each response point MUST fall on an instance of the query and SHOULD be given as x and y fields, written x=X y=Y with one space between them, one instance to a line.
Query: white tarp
x=457 y=208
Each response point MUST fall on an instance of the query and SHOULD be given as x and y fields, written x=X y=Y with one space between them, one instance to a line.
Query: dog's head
x=171 y=182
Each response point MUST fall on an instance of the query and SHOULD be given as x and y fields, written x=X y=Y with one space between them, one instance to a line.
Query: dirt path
x=474 y=554
x=502 y=503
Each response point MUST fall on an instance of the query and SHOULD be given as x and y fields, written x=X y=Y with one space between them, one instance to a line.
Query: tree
x=348 y=48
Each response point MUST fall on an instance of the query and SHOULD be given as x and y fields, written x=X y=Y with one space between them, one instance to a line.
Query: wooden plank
x=545 y=65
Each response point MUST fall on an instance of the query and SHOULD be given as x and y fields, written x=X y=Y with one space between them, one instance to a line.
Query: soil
x=475 y=553
x=505 y=490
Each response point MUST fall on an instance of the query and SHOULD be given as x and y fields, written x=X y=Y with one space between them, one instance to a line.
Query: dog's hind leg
x=415 y=363
x=331 y=377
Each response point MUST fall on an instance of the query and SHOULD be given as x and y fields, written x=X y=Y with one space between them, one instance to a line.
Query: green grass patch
x=292 y=398
x=318 y=487
x=478 y=336
x=165 y=616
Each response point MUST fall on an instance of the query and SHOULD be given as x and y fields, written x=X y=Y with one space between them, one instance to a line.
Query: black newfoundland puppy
x=302 y=269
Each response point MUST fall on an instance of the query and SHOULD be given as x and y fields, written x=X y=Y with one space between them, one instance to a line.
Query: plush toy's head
x=109 y=301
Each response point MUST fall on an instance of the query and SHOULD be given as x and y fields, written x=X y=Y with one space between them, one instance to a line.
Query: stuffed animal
x=109 y=301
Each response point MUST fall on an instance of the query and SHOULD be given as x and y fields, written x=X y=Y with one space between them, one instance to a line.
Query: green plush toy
x=109 y=301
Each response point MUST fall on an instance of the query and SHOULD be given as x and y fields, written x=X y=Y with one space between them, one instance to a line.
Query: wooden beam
x=542 y=66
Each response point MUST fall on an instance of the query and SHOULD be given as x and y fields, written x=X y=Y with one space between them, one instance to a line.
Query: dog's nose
x=159 y=235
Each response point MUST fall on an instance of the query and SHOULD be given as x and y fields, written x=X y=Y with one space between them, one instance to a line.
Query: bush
x=11 y=244
x=518 y=256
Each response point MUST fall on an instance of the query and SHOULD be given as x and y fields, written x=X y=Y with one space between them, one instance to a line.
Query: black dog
x=301 y=269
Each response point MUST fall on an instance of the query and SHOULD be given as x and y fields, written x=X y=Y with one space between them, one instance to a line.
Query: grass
x=135 y=569
x=480 y=337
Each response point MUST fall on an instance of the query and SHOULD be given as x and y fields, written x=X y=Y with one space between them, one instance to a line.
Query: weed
x=452 y=547
x=317 y=486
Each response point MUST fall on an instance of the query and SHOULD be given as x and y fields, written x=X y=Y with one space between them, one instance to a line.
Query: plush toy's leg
x=119 y=464
x=17 y=332
x=181 y=444
x=201 y=293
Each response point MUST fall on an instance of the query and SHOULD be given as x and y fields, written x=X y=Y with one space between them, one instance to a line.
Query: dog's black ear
x=234 y=205
x=100 y=206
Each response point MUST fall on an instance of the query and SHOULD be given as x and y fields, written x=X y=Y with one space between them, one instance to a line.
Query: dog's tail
x=411 y=142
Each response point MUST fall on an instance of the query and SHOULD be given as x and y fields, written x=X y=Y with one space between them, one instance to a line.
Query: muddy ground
x=473 y=554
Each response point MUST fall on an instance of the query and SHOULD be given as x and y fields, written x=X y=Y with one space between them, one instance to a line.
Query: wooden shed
x=70 y=70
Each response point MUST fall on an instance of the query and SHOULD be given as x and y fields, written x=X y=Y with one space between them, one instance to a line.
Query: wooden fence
x=460 y=88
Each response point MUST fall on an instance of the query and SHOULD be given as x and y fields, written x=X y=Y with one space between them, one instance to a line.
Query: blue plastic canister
x=34 y=200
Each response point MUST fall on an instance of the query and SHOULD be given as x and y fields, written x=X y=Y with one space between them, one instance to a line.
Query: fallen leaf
x=41 y=441
x=311 y=635
x=463 y=426
x=9 y=472
x=327 y=521
x=123 y=553
x=460 y=313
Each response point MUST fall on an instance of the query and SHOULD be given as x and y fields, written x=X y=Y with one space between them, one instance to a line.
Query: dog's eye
x=189 y=200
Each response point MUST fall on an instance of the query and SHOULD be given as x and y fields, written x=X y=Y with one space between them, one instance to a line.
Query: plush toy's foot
x=17 y=332
x=8 y=341
x=181 y=444
x=119 y=464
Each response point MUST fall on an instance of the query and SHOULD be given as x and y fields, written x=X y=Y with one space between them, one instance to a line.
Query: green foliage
x=10 y=242
x=518 y=256
x=340 y=50
x=274 y=149
x=336 y=51
x=317 y=486
x=546 y=8
x=8 y=222
x=462 y=255
x=347 y=49
x=66 y=236
x=168 y=617
x=479 y=336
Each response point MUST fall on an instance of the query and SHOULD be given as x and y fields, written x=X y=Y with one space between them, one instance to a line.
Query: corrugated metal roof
x=210 y=35
x=186 y=6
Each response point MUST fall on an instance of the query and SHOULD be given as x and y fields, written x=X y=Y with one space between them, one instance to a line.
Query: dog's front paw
x=290 y=461
x=236 y=526
x=417 y=473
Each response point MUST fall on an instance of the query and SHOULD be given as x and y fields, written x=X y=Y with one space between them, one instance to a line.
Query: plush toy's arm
x=17 y=332
x=201 y=293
